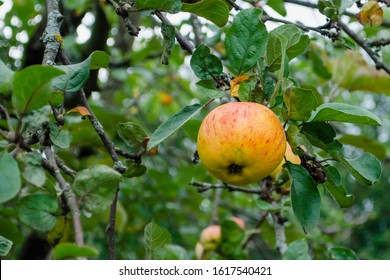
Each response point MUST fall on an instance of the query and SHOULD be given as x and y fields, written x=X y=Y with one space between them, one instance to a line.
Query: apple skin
x=290 y=156
x=241 y=142
x=210 y=237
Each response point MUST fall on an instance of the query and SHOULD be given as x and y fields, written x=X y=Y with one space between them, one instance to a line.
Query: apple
x=241 y=142
x=290 y=156
x=211 y=236
x=240 y=222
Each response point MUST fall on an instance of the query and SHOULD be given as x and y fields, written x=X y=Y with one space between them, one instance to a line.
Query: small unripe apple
x=241 y=142
x=210 y=237
x=290 y=156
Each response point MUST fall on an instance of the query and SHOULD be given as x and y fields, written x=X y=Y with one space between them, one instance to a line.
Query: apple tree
x=100 y=107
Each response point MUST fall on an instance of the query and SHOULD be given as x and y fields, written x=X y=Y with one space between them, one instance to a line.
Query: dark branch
x=374 y=56
x=202 y=187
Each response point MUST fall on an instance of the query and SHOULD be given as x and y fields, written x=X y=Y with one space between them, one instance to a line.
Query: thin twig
x=123 y=12
x=374 y=56
x=66 y=169
x=111 y=226
x=234 y=5
x=7 y=118
x=202 y=187
x=118 y=165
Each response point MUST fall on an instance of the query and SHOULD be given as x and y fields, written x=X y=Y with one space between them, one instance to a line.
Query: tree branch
x=51 y=37
x=202 y=187
x=51 y=166
x=374 y=56
x=111 y=226
x=314 y=6
x=123 y=12
x=52 y=40
x=184 y=43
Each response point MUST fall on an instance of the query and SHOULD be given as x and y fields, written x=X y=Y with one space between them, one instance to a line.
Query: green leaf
x=296 y=138
x=96 y=187
x=208 y=89
x=168 y=32
x=76 y=75
x=300 y=103
x=37 y=211
x=249 y=91
x=366 y=143
x=134 y=169
x=319 y=67
x=175 y=252
x=172 y=6
x=156 y=239
x=133 y=135
x=328 y=9
x=321 y=135
x=297 y=250
x=351 y=71
x=170 y=126
x=6 y=76
x=367 y=169
x=285 y=38
x=246 y=40
x=31 y=87
x=5 y=246
x=206 y=66
x=59 y=137
x=64 y=251
x=33 y=171
x=9 y=230
x=216 y=11
x=9 y=177
x=333 y=185
x=340 y=112
x=305 y=198
x=278 y=6
x=231 y=239
x=341 y=253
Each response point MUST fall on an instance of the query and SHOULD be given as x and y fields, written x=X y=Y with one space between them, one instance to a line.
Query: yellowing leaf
x=152 y=151
x=81 y=110
x=352 y=72
x=371 y=13
x=235 y=85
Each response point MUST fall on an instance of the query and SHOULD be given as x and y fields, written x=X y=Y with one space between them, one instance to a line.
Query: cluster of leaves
x=244 y=61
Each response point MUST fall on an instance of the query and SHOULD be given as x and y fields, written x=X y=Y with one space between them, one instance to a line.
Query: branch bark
x=51 y=166
x=51 y=37
x=52 y=41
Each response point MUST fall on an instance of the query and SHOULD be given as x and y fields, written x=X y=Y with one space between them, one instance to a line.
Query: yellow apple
x=241 y=142
x=290 y=156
